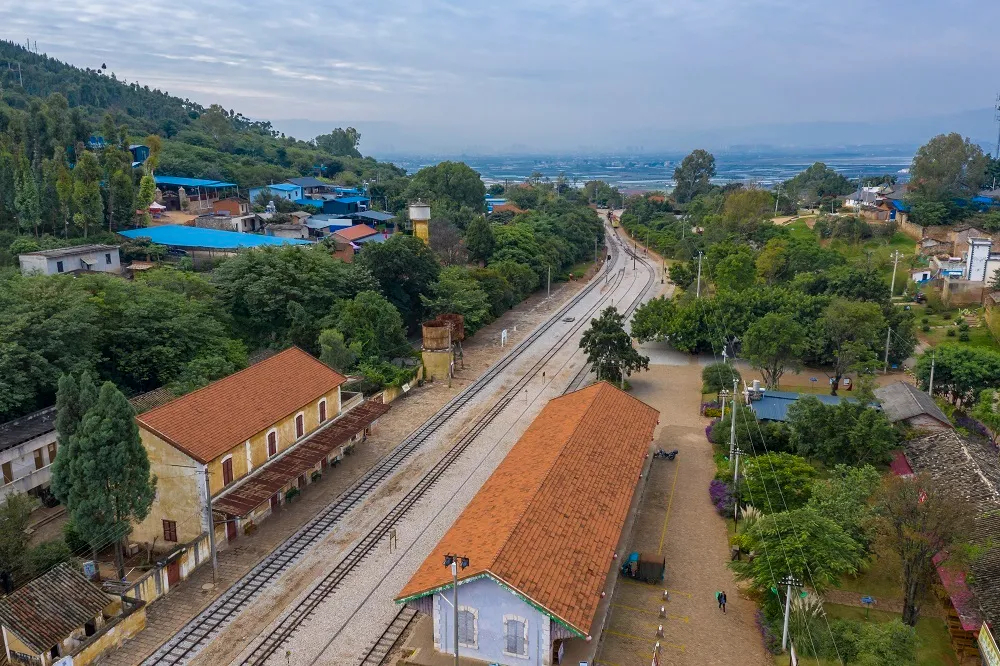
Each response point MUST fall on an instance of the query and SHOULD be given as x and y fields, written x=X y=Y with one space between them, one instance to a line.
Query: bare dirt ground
x=677 y=520
x=167 y=615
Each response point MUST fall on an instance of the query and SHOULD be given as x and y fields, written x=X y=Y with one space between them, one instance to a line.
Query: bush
x=925 y=328
x=74 y=541
x=963 y=336
x=709 y=428
x=964 y=326
x=718 y=376
x=925 y=320
x=951 y=333
x=722 y=497
x=712 y=412
x=46 y=555
x=772 y=642
x=316 y=475
x=292 y=493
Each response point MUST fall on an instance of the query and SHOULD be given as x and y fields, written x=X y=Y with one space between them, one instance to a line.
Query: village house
x=541 y=536
x=358 y=235
x=905 y=404
x=27 y=450
x=310 y=185
x=276 y=191
x=290 y=230
x=62 y=618
x=79 y=258
x=242 y=443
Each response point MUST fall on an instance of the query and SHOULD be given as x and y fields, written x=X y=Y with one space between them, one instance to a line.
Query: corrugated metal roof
x=48 y=609
x=773 y=406
x=280 y=187
x=70 y=251
x=352 y=199
x=191 y=182
x=375 y=215
x=194 y=237
x=308 y=181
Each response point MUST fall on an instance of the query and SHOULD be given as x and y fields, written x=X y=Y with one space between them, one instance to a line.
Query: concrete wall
x=26 y=475
x=491 y=603
x=962 y=292
x=115 y=632
x=50 y=265
x=914 y=231
x=177 y=494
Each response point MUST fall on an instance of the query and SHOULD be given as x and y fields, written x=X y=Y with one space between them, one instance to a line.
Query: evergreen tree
x=108 y=483
x=147 y=190
x=15 y=511
x=609 y=348
x=26 y=198
x=479 y=239
x=64 y=189
x=87 y=192
x=121 y=201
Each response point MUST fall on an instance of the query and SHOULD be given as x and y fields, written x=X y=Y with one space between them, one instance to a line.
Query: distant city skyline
x=549 y=75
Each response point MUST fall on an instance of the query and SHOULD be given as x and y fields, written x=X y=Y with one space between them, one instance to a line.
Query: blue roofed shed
x=773 y=405
x=277 y=191
x=178 y=181
x=195 y=238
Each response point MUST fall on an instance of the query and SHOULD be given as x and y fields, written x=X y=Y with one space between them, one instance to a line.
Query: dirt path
x=678 y=520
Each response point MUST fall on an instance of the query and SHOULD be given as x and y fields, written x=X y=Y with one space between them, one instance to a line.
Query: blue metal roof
x=353 y=199
x=773 y=406
x=175 y=235
x=899 y=205
x=191 y=182
x=318 y=203
x=280 y=187
x=375 y=215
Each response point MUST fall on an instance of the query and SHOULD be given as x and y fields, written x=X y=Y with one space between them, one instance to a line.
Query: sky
x=535 y=75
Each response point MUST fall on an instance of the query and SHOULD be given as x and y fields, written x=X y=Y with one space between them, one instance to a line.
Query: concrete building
x=256 y=435
x=541 y=536
x=976 y=257
x=62 y=618
x=906 y=404
x=310 y=185
x=27 y=449
x=99 y=258
x=298 y=231
x=276 y=191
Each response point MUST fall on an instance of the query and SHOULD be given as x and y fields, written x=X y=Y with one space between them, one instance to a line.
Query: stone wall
x=962 y=292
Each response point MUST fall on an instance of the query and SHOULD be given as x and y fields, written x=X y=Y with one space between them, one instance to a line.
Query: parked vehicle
x=669 y=455
x=646 y=567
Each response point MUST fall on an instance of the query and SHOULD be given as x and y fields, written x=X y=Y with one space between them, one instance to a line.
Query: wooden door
x=173 y=573
x=227 y=471
x=272 y=443
x=231 y=531
x=275 y=502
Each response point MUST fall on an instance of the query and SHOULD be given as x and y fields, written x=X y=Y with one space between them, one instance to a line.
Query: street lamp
x=455 y=561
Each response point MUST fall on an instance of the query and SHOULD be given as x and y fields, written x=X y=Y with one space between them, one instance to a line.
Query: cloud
x=537 y=72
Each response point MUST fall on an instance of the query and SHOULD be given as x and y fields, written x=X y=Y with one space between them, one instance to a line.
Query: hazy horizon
x=550 y=75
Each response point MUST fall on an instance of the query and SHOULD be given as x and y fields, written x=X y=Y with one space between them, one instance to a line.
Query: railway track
x=291 y=622
x=390 y=638
x=197 y=633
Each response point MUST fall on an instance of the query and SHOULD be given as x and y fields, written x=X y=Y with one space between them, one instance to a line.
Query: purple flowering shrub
x=772 y=643
x=722 y=497
x=708 y=430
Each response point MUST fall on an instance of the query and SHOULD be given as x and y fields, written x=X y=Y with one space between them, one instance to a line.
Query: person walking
x=718 y=598
x=722 y=602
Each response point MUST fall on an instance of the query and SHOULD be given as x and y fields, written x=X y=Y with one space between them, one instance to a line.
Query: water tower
x=420 y=215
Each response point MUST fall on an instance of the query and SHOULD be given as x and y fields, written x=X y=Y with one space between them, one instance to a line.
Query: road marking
x=663 y=534
x=645 y=639
x=643 y=610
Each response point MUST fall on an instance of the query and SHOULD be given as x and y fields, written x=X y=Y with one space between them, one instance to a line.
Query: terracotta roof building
x=255 y=434
x=542 y=532
x=53 y=616
x=356 y=233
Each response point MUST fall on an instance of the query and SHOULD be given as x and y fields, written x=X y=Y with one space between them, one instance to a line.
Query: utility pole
x=645 y=250
x=930 y=384
x=888 y=337
x=211 y=528
x=732 y=424
x=635 y=253
x=697 y=289
x=777 y=198
x=737 y=452
x=897 y=255
x=548 y=284
x=789 y=582
x=454 y=561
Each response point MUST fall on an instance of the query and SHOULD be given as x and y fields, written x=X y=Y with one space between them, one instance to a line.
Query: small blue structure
x=277 y=191
x=195 y=238
x=773 y=405
x=140 y=153
x=178 y=181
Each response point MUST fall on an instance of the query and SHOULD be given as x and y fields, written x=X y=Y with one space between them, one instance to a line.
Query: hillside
x=50 y=106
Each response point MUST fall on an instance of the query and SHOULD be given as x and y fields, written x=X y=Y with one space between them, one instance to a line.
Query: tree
x=457 y=292
x=652 y=319
x=948 y=166
x=694 y=175
x=64 y=191
x=844 y=498
x=404 y=268
x=499 y=292
x=851 y=331
x=773 y=344
x=26 y=201
x=772 y=262
x=87 y=192
x=480 y=240
x=916 y=518
x=609 y=348
x=960 y=372
x=519 y=276
x=107 y=484
x=777 y=481
x=817 y=183
x=144 y=199
x=446 y=242
x=718 y=376
x=121 y=201
x=15 y=512
x=335 y=352
x=800 y=543
x=72 y=402
x=736 y=271
x=371 y=326
x=987 y=411
x=340 y=142
x=449 y=185
x=850 y=432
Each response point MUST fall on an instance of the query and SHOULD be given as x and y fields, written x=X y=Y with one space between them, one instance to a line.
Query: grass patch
x=879 y=581
x=934 y=644
x=800 y=228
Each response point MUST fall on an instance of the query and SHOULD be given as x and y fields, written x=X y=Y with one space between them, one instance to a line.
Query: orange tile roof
x=356 y=232
x=548 y=520
x=210 y=421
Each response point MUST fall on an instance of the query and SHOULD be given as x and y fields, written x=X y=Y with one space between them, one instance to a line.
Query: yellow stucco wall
x=285 y=429
x=14 y=643
x=124 y=629
x=177 y=496
x=437 y=364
